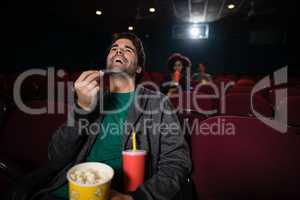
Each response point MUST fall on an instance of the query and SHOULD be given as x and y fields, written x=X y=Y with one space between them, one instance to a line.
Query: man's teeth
x=119 y=61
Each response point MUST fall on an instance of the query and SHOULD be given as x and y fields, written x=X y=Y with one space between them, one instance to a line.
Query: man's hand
x=87 y=87
x=114 y=195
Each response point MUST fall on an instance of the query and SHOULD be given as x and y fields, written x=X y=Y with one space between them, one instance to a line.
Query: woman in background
x=178 y=66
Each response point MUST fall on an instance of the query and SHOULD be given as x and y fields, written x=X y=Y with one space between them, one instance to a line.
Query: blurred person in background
x=201 y=76
x=178 y=69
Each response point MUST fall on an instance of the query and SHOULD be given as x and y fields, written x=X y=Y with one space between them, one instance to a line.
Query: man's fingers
x=92 y=85
x=93 y=76
x=85 y=90
x=94 y=91
x=84 y=75
x=87 y=86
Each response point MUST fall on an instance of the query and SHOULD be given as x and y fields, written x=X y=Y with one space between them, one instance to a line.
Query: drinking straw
x=133 y=140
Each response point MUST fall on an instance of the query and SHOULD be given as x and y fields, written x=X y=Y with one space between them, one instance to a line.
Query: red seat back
x=242 y=158
x=245 y=82
x=291 y=91
x=240 y=89
x=225 y=76
x=224 y=81
x=25 y=137
x=293 y=109
x=193 y=101
x=293 y=104
x=240 y=104
x=157 y=78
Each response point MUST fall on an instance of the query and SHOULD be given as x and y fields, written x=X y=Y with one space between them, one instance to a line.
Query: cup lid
x=134 y=152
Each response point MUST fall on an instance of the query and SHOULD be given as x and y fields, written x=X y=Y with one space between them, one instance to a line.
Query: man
x=168 y=163
x=201 y=76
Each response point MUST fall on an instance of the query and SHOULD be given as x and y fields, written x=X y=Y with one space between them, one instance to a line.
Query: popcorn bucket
x=90 y=181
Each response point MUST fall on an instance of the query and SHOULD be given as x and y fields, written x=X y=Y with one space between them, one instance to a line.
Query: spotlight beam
x=205 y=10
x=221 y=9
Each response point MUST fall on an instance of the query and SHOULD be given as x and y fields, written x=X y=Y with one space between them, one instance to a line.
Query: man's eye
x=113 y=49
x=129 y=51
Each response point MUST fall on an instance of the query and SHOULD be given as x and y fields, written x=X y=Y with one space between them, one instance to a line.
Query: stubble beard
x=129 y=70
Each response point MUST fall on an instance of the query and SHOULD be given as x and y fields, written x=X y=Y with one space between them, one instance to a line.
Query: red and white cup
x=133 y=168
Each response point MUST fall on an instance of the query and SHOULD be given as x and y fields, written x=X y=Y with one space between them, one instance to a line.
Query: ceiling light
x=130 y=28
x=231 y=6
x=194 y=32
x=152 y=10
x=198 y=31
x=98 y=12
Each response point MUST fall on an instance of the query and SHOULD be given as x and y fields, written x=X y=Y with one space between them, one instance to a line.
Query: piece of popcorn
x=88 y=176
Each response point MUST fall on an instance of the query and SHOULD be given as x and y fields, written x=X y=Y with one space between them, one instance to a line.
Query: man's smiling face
x=123 y=56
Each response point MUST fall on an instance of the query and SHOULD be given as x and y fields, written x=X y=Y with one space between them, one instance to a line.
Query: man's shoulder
x=152 y=96
x=145 y=91
x=155 y=99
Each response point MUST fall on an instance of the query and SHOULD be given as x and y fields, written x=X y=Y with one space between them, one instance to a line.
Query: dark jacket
x=168 y=162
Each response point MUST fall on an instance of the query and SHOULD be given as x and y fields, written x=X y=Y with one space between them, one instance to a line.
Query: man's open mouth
x=118 y=60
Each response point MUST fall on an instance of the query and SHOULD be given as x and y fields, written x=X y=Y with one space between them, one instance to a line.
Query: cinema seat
x=240 y=104
x=242 y=158
x=291 y=91
x=225 y=76
x=245 y=82
x=157 y=78
x=193 y=101
x=293 y=109
x=24 y=137
x=224 y=81
x=240 y=89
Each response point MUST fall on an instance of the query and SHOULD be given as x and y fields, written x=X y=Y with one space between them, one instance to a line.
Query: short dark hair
x=136 y=42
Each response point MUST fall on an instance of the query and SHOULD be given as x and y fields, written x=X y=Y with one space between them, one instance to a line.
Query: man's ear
x=139 y=70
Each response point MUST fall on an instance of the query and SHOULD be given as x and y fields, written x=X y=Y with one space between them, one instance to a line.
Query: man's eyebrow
x=126 y=46
x=114 y=45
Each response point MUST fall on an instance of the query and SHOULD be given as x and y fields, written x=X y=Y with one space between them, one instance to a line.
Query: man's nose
x=120 y=51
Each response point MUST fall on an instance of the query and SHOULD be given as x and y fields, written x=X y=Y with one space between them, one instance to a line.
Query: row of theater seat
x=252 y=162
x=39 y=82
x=256 y=162
x=24 y=140
x=241 y=103
x=233 y=157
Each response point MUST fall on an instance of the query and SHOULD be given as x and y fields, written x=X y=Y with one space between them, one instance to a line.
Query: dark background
x=68 y=34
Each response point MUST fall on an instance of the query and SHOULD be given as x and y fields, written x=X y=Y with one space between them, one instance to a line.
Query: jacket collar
x=135 y=112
